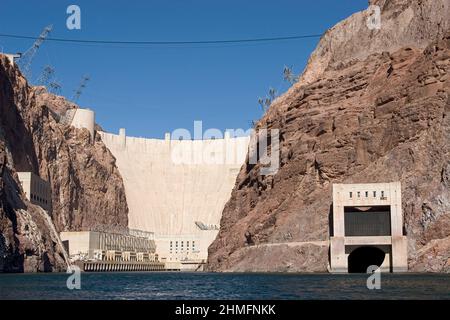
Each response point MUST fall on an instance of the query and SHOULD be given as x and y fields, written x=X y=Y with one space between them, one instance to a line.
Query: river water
x=218 y=286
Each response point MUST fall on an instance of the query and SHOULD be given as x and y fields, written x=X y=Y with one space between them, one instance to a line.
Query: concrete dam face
x=178 y=188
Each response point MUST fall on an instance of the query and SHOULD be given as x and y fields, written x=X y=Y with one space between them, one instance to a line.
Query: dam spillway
x=177 y=188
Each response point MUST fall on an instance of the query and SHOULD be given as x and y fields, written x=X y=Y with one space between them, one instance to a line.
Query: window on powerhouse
x=366 y=194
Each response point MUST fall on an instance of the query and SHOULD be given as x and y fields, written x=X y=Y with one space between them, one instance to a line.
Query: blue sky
x=150 y=90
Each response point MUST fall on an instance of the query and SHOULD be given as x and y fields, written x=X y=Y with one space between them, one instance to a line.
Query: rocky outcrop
x=360 y=113
x=27 y=241
x=87 y=189
x=433 y=257
x=404 y=23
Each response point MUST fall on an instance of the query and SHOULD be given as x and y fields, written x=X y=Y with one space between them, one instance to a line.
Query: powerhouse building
x=107 y=251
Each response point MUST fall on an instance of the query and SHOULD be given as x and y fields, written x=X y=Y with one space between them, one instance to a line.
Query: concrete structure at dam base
x=367 y=228
x=102 y=251
x=185 y=252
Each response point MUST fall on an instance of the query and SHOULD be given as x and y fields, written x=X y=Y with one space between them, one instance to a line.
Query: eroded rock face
x=433 y=257
x=27 y=241
x=404 y=23
x=374 y=117
x=87 y=189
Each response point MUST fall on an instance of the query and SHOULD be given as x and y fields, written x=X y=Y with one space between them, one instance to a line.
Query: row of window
x=124 y=243
x=182 y=244
x=39 y=199
x=358 y=194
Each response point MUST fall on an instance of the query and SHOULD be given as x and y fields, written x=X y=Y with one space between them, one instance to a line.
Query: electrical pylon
x=27 y=57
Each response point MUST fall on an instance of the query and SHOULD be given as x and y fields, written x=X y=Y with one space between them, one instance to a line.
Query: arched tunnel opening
x=363 y=257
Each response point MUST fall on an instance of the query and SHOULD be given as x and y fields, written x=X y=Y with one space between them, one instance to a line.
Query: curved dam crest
x=178 y=188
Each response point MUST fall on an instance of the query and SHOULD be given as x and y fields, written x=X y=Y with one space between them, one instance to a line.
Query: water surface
x=219 y=286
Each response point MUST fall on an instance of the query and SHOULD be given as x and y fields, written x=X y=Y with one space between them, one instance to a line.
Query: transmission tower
x=54 y=87
x=47 y=80
x=27 y=57
x=47 y=74
x=81 y=87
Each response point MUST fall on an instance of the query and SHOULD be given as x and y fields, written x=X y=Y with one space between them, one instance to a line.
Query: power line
x=248 y=40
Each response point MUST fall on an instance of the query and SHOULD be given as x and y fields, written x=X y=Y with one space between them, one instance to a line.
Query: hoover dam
x=177 y=188
x=359 y=143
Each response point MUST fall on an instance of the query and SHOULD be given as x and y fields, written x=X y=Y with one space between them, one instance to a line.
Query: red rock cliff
x=87 y=189
x=371 y=106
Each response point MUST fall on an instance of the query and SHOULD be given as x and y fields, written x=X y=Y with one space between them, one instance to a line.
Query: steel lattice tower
x=47 y=74
x=47 y=79
x=54 y=87
x=82 y=85
x=27 y=57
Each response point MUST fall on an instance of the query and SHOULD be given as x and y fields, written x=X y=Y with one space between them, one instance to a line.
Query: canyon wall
x=87 y=189
x=371 y=106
